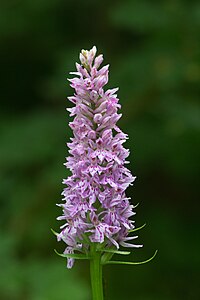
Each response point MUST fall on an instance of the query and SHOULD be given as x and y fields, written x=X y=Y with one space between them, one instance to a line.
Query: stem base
x=96 y=273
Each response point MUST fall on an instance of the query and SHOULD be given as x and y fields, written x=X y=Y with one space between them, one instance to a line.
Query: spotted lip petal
x=94 y=195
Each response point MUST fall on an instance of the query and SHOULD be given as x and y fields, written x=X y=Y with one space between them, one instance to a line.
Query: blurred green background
x=153 y=48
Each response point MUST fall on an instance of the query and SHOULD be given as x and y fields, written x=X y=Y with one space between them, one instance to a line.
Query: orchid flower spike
x=95 y=207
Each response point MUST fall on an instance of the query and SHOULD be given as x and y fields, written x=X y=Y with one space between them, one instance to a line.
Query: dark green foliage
x=153 y=48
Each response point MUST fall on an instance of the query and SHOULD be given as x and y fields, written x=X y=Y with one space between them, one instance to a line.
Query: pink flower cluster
x=95 y=207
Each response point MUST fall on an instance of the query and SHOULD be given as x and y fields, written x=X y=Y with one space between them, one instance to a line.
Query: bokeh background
x=153 y=48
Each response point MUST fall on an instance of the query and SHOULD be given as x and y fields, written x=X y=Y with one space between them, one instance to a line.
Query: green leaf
x=130 y=263
x=75 y=256
x=136 y=229
x=115 y=251
x=106 y=257
x=54 y=232
x=108 y=254
x=136 y=205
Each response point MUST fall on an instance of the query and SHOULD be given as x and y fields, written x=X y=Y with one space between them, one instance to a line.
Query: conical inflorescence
x=95 y=206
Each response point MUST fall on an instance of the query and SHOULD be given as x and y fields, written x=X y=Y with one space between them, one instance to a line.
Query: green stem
x=96 y=273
